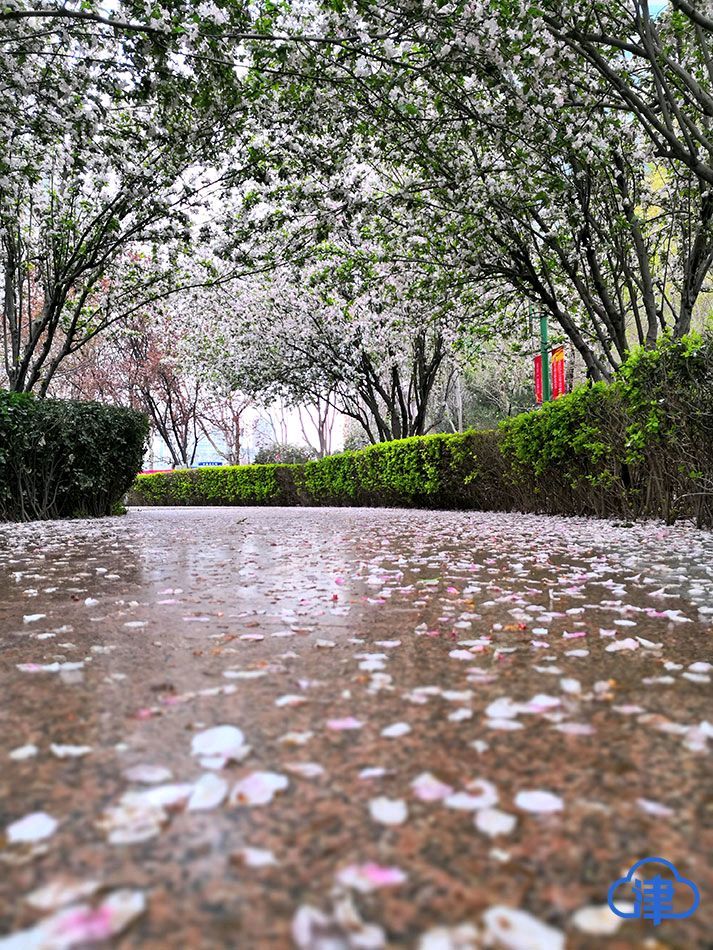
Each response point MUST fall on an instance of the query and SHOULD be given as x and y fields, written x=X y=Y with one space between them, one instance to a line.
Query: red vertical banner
x=538 y=378
x=559 y=385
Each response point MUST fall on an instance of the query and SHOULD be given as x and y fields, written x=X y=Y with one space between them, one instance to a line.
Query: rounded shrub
x=65 y=459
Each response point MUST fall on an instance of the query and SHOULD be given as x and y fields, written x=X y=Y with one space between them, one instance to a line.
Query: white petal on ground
x=460 y=937
x=208 y=792
x=462 y=801
x=132 y=820
x=576 y=728
x=163 y=796
x=307 y=922
x=33 y=618
x=23 y=752
x=256 y=857
x=539 y=801
x=654 y=808
x=305 y=769
x=244 y=674
x=430 y=789
x=373 y=772
x=493 y=822
x=220 y=740
x=483 y=791
x=503 y=708
x=291 y=699
x=618 y=645
x=69 y=751
x=388 y=811
x=296 y=738
x=599 y=920
x=60 y=892
x=505 y=725
x=370 y=877
x=343 y=930
x=219 y=745
x=514 y=929
x=541 y=703
x=148 y=774
x=34 y=827
x=49 y=667
x=258 y=788
x=396 y=730
x=479 y=746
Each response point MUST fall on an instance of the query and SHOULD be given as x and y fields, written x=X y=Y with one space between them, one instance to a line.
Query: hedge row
x=62 y=459
x=640 y=446
x=435 y=471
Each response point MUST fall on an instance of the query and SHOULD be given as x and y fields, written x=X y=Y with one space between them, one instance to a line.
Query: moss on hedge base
x=61 y=459
x=641 y=446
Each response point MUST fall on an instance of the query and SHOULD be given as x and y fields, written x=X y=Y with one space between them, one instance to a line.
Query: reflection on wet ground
x=441 y=730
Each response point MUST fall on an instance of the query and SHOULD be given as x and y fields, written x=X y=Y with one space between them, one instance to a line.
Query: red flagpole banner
x=538 y=378
x=559 y=385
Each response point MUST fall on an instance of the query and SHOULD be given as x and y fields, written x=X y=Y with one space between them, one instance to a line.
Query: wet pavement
x=440 y=729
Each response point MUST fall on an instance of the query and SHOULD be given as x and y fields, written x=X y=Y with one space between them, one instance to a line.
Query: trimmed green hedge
x=60 y=458
x=435 y=471
x=641 y=446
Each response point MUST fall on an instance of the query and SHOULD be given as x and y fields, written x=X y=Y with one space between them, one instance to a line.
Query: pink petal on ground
x=340 y=725
x=81 y=924
x=430 y=789
x=112 y=916
x=369 y=877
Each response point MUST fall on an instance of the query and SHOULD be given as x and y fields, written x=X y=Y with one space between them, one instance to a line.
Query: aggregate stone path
x=325 y=729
